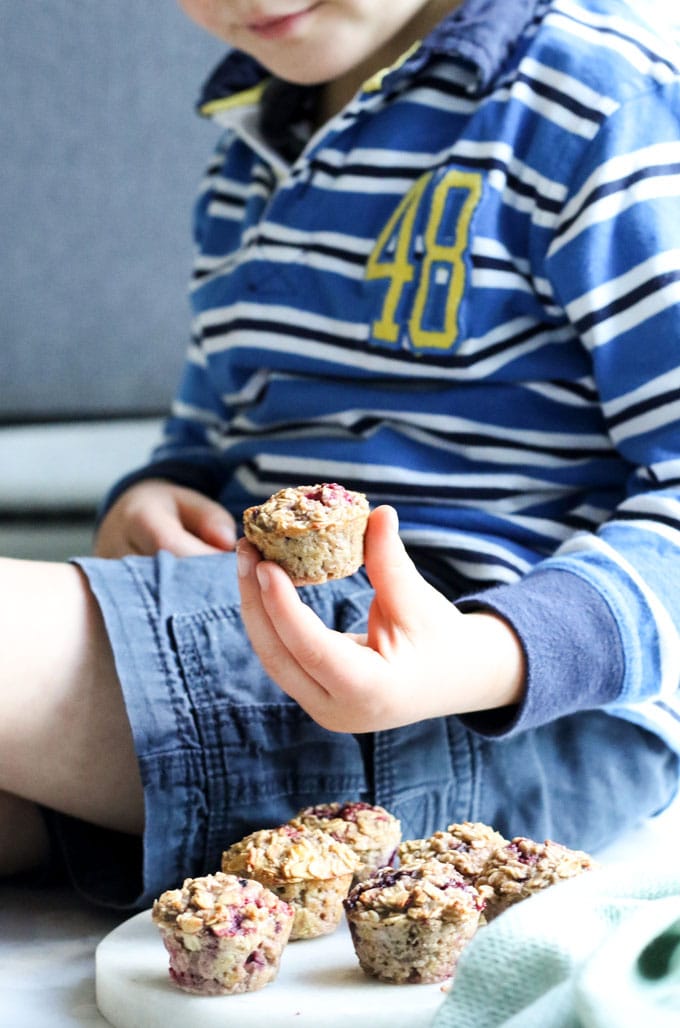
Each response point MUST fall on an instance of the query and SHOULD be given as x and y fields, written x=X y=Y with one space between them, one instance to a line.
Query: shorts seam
x=175 y=700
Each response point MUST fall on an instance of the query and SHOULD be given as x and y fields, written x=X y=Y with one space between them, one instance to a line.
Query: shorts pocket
x=263 y=757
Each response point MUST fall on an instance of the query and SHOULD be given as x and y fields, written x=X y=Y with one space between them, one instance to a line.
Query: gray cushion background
x=101 y=154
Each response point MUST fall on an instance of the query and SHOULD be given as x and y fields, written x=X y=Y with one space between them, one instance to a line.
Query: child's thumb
x=392 y=573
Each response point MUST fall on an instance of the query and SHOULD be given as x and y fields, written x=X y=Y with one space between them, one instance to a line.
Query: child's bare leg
x=23 y=838
x=65 y=741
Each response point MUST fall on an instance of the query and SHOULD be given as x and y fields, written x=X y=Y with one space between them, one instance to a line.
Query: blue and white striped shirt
x=462 y=296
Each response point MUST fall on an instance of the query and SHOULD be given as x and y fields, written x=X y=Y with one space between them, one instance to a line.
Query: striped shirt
x=462 y=297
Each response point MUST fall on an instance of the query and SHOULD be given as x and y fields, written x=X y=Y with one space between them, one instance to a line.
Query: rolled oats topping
x=305 y=508
x=429 y=890
x=370 y=830
x=523 y=867
x=359 y=825
x=290 y=853
x=467 y=846
x=222 y=904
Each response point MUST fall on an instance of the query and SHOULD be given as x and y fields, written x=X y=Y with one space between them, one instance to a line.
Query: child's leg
x=220 y=749
x=223 y=751
x=65 y=741
x=23 y=838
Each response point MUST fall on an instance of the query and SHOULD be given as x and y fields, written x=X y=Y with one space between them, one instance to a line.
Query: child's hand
x=157 y=515
x=420 y=658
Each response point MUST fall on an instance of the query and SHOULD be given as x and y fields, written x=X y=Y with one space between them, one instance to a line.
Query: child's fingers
x=316 y=666
x=167 y=533
x=263 y=632
x=345 y=684
x=207 y=521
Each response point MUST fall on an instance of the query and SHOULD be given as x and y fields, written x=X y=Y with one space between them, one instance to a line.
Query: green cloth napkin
x=598 y=951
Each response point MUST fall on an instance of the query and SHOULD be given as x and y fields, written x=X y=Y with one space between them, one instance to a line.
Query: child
x=437 y=261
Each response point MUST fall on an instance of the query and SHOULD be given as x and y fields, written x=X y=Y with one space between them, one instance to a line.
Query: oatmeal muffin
x=306 y=868
x=224 y=934
x=371 y=831
x=466 y=846
x=315 y=532
x=523 y=867
x=410 y=924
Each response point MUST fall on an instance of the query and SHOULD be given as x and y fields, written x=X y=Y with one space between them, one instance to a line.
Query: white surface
x=71 y=464
x=319 y=983
x=47 y=944
x=48 y=941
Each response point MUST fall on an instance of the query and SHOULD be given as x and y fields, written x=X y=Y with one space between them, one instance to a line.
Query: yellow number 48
x=442 y=272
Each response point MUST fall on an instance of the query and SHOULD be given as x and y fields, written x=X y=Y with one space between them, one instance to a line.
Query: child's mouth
x=279 y=27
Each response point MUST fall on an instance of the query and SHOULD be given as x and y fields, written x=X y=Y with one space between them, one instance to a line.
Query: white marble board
x=319 y=983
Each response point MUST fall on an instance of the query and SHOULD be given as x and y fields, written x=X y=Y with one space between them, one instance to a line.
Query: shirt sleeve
x=573 y=649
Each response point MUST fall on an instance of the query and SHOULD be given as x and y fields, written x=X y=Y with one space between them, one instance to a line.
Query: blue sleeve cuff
x=572 y=647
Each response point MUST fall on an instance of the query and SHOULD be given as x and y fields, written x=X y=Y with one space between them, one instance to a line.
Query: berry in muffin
x=370 y=830
x=410 y=924
x=307 y=868
x=315 y=532
x=223 y=934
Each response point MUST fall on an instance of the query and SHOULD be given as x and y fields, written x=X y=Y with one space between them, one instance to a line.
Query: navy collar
x=481 y=33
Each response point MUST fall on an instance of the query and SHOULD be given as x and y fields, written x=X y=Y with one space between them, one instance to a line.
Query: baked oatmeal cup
x=224 y=935
x=315 y=532
x=410 y=924
x=307 y=868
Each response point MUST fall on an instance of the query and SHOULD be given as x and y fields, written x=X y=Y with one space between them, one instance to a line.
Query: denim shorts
x=223 y=751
